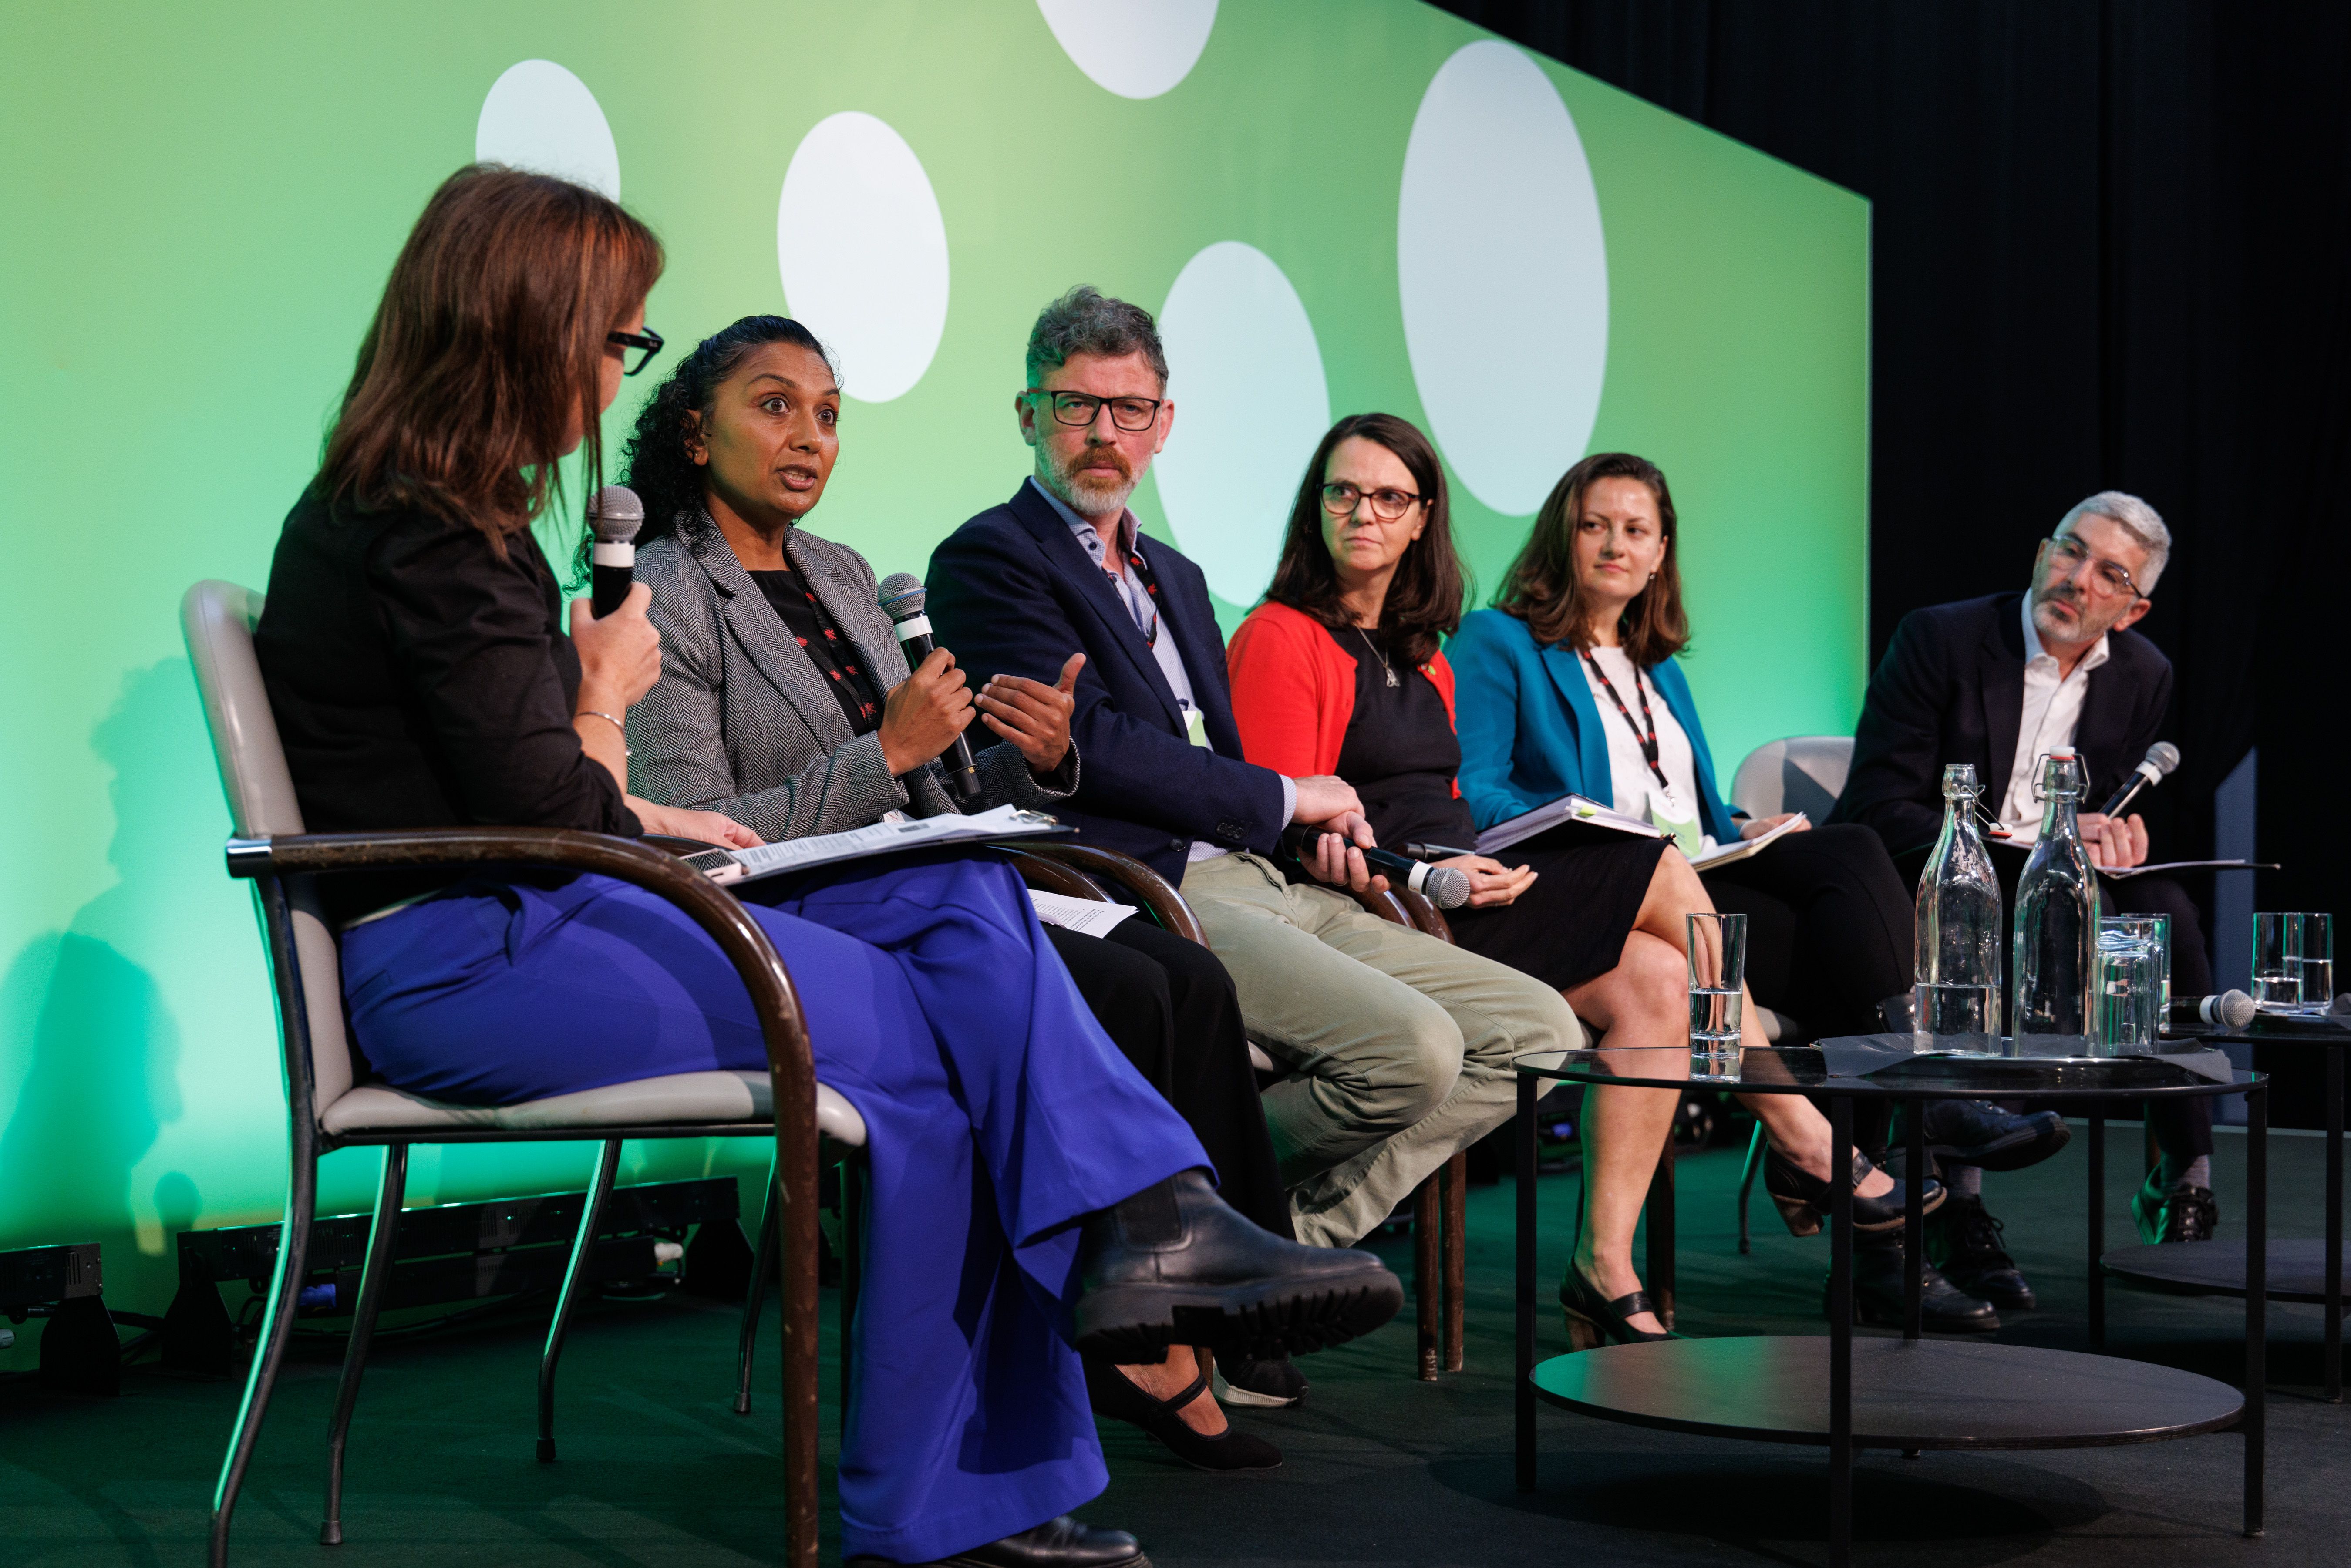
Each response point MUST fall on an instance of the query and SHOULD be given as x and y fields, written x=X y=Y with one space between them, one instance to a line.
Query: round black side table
x=1910 y=1393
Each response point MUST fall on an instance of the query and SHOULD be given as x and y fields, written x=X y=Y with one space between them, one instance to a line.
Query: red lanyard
x=1650 y=751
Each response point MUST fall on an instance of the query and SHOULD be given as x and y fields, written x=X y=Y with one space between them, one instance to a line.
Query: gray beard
x=1085 y=499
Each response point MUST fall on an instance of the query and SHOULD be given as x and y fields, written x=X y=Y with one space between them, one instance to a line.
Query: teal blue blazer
x=1530 y=732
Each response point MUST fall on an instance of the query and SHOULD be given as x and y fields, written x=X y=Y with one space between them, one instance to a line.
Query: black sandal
x=1113 y=1394
x=1592 y=1322
x=1802 y=1199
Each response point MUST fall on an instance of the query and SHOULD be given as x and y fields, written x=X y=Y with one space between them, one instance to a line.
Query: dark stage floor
x=1382 y=1468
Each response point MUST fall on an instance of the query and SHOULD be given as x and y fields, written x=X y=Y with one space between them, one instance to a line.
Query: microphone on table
x=903 y=599
x=2229 y=1009
x=614 y=516
x=2161 y=759
x=1447 y=887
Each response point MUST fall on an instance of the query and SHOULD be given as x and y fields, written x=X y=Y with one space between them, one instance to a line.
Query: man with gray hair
x=2001 y=683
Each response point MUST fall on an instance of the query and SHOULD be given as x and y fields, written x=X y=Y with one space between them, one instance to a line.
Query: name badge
x=1677 y=819
x=1195 y=727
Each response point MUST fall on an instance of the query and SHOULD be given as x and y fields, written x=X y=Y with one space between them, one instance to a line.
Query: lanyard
x=1650 y=751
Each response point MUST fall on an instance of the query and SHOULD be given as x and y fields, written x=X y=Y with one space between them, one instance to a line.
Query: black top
x=812 y=626
x=1952 y=689
x=420 y=680
x=1400 y=752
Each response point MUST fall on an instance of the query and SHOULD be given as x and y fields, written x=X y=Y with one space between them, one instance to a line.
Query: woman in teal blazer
x=1569 y=686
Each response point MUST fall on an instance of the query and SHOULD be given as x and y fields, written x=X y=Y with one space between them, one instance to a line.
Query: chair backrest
x=1803 y=773
x=218 y=619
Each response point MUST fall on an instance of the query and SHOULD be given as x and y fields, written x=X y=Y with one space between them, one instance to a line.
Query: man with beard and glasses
x=1397 y=1045
x=2001 y=683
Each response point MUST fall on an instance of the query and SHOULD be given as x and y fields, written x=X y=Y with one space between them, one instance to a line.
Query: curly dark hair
x=1540 y=589
x=1424 y=599
x=665 y=479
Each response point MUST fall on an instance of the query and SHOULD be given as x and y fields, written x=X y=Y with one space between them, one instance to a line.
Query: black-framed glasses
x=1079 y=409
x=1388 y=505
x=2107 y=577
x=647 y=343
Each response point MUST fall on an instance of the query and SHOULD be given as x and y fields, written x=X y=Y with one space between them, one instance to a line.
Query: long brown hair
x=489 y=343
x=1541 y=588
x=1425 y=597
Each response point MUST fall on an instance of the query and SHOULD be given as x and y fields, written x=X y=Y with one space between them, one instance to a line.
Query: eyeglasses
x=1388 y=505
x=649 y=343
x=1078 y=409
x=2108 y=579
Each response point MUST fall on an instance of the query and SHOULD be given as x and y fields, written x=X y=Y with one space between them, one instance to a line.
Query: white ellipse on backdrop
x=541 y=118
x=862 y=252
x=1503 y=273
x=1245 y=376
x=1135 y=48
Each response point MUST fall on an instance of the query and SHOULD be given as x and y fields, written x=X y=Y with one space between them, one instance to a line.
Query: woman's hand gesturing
x=1490 y=881
x=1032 y=715
x=923 y=713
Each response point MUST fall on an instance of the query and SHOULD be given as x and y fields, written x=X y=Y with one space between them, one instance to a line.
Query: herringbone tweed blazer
x=741 y=720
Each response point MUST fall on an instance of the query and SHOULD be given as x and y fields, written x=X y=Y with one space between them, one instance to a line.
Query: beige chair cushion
x=679 y=1099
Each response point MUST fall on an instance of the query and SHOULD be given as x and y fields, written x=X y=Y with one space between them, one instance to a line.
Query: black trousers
x=1170 y=1007
x=1828 y=927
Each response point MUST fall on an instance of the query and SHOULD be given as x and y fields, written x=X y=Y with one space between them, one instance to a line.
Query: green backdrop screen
x=1337 y=206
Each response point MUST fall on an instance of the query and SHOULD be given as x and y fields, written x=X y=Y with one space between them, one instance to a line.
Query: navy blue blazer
x=1013 y=592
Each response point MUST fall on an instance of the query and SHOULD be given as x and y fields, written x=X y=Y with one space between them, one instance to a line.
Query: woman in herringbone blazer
x=784 y=702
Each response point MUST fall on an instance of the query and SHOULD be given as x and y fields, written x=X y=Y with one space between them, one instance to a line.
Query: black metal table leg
x=2098 y=1231
x=2334 y=1224
x=2257 y=1302
x=1525 y=1392
x=1840 y=1331
x=1914 y=1232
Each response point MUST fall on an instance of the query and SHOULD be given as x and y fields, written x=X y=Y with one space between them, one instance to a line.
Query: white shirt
x=2052 y=710
x=1628 y=768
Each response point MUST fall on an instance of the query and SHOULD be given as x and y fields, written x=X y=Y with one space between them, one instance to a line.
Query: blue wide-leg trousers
x=997 y=1110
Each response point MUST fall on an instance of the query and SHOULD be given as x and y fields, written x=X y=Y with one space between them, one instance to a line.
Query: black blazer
x=1952 y=689
x=1013 y=592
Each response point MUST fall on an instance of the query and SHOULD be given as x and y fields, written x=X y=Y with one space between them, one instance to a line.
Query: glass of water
x=2294 y=961
x=2128 y=991
x=1717 y=969
x=2155 y=929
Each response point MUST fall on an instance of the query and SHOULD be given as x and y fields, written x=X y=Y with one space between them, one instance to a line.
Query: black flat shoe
x=1978 y=1132
x=1974 y=1258
x=1878 y=1286
x=1176 y=1265
x=1592 y=1321
x=1059 y=1543
x=1113 y=1394
x=1804 y=1199
x=2180 y=1212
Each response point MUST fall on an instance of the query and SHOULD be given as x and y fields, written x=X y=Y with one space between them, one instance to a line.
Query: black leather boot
x=1878 y=1285
x=1059 y=1543
x=1974 y=1260
x=1176 y=1265
x=2181 y=1211
x=1978 y=1132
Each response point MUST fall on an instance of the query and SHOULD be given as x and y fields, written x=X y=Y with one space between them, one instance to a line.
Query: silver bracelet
x=608 y=718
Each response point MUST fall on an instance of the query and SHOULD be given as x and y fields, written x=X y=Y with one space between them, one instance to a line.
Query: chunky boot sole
x=1865 y=1310
x=1135 y=1323
x=2020 y=1150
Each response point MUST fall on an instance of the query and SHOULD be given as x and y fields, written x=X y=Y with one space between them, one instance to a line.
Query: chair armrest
x=1406 y=907
x=1158 y=898
x=1047 y=876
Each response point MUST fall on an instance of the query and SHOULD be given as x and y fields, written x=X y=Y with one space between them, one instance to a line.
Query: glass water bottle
x=2056 y=923
x=1955 y=1006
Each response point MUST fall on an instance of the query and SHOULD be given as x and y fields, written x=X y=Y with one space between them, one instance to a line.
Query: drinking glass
x=2128 y=992
x=1717 y=969
x=2155 y=929
x=2294 y=961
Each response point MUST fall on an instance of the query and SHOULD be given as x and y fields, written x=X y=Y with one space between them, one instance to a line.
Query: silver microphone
x=614 y=516
x=2161 y=759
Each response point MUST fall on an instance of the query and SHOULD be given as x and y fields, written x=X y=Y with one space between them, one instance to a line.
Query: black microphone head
x=616 y=515
x=902 y=596
x=2164 y=756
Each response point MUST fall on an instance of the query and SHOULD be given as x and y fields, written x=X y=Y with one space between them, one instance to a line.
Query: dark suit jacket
x=1952 y=689
x=1013 y=592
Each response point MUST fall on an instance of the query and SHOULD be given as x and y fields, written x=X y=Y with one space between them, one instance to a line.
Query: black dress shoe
x=1804 y=1199
x=1973 y=1258
x=2180 y=1212
x=1176 y=1265
x=1593 y=1320
x=1978 y=1132
x=1266 y=1382
x=1061 y=1542
x=1878 y=1286
x=1113 y=1394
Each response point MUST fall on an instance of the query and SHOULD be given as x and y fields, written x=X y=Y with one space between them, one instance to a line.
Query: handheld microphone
x=2229 y=1009
x=614 y=516
x=1447 y=887
x=2161 y=759
x=903 y=598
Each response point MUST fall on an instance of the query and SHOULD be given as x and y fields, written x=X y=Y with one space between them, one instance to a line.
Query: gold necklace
x=1392 y=683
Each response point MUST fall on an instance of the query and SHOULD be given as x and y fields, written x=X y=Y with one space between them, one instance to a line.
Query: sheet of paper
x=1086 y=916
x=1725 y=854
x=2124 y=872
x=890 y=838
x=1566 y=809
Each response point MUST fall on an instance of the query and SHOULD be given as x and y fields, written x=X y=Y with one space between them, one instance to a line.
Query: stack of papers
x=1592 y=813
x=889 y=837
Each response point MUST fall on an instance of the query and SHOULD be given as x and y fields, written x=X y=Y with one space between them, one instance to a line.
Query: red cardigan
x=1294 y=691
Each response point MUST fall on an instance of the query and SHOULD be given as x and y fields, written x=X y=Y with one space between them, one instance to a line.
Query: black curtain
x=2112 y=250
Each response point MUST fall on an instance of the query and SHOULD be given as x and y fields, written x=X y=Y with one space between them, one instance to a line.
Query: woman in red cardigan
x=1339 y=673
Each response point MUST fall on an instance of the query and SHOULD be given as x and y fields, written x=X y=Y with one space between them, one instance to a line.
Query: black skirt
x=1571 y=925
